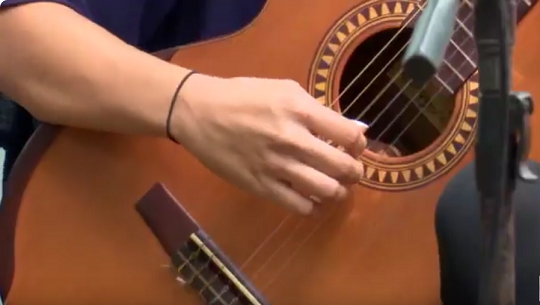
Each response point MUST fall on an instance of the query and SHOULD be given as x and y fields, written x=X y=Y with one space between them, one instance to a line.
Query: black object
x=503 y=133
x=16 y=127
x=501 y=149
x=459 y=237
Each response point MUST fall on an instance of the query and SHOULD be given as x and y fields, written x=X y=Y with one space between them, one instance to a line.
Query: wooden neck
x=461 y=58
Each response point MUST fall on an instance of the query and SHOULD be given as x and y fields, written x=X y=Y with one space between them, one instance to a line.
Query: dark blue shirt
x=152 y=25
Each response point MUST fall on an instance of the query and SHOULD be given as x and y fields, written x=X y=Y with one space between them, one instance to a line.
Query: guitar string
x=406 y=106
x=383 y=90
x=422 y=109
x=420 y=9
x=299 y=224
x=412 y=121
x=397 y=138
x=367 y=244
x=267 y=239
x=337 y=99
x=348 y=87
x=411 y=100
x=319 y=225
x=407 y=85
x=384 y=48
x=393 y=142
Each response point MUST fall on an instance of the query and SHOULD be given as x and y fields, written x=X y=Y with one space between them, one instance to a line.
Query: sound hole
x=404 y=117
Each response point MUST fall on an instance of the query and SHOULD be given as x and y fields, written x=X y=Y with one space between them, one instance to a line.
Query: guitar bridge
x=197 y=261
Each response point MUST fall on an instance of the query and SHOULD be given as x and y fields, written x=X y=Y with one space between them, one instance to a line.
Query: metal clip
x=523 y=106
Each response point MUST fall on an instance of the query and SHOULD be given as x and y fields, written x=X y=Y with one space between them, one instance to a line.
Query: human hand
x=264 y=135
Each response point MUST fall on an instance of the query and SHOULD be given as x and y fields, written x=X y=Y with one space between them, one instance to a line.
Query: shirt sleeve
x=77 y=5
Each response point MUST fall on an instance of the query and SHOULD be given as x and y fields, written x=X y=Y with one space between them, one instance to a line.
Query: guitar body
x=83 y=220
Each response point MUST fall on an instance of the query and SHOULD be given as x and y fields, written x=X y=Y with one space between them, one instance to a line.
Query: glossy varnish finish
x=70 y=234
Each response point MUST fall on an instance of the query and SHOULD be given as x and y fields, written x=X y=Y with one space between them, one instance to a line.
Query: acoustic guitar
x=96 y=218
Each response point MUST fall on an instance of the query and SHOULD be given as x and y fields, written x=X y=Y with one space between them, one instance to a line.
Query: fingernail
x=315 y=199
x=361 y=124
x=305 y=209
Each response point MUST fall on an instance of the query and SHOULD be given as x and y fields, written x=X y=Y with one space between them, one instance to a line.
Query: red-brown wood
x=69 y=232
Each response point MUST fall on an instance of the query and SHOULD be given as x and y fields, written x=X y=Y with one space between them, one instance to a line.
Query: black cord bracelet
x=173 y=102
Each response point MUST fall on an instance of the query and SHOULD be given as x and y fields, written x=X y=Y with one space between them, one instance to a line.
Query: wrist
x=192 y=96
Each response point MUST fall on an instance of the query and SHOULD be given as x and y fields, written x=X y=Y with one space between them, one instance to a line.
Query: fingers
x=285 y=195
x=330 y=125
x=310 y=182
x=330 y=160
x=302 y=183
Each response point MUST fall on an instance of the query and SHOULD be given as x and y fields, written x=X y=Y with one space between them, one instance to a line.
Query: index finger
x=330 y=125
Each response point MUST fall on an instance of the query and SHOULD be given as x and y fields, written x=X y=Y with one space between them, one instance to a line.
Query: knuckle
x=292 y=84
x=305 y=112
x=294 y=97
x=341 y=193
x=337 y=192
x=287 y=137
x=355 y=143
x=360 y=169
x=350 y=171
x=355 y=137
x=302 y=113
x=273 y=164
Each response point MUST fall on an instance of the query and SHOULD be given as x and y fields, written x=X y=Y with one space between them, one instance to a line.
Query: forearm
x=66 y=70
